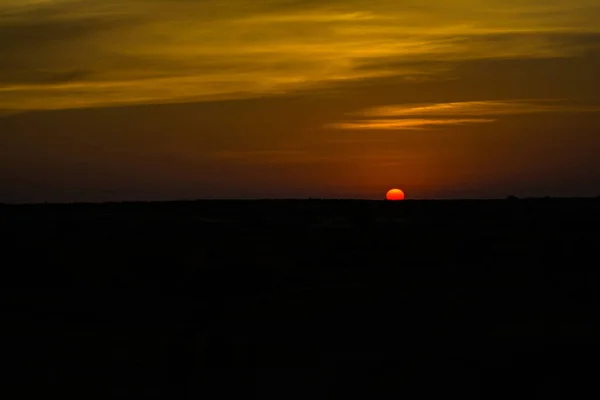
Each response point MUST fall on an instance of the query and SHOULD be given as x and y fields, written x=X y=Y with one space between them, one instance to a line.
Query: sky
x=181 y=99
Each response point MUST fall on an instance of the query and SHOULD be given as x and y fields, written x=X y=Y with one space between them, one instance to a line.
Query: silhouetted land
x=301 y=299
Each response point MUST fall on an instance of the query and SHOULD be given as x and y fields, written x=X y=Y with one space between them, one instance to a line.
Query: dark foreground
x=301 y=300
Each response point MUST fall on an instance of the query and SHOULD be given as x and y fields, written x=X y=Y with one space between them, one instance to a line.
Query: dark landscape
x=317 y=299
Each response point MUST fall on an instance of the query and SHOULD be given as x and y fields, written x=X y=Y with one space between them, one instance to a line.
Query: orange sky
x=177 y=99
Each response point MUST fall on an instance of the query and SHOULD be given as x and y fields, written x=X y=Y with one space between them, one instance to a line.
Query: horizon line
x=282 y=199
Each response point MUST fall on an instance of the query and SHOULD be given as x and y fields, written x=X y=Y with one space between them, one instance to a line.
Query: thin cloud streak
x=207 y=87
x=406 y=124
x=416 y=117
x=475 y=108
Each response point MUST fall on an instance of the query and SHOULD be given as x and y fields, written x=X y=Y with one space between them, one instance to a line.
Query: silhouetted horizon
x=301 y=299
x=325 y=199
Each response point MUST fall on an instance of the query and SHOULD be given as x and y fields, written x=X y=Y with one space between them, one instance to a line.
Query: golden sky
x=167 y=99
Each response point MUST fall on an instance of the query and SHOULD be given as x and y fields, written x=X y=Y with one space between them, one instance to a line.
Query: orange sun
x=394 y=194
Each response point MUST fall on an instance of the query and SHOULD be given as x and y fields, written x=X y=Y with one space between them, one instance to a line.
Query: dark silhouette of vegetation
x=301 y=299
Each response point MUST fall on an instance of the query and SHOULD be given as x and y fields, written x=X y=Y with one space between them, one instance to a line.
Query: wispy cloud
x=406 y=124
x=476 y=108
x=156 y=51
x=424 y=115
x=310 y=17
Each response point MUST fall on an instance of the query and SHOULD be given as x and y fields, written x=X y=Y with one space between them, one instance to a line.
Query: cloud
x=421 y=116
x=316 y=16
x=168 y=51
x=40 y=76
x=405 y=124
x=476 y=108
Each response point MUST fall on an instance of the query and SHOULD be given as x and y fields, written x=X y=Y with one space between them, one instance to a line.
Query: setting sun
x=394 y=194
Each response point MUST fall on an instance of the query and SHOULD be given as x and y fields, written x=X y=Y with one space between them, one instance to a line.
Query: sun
x=394 y=194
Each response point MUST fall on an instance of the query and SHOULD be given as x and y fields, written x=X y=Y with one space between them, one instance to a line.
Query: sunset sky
x=181 y=99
